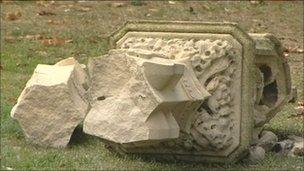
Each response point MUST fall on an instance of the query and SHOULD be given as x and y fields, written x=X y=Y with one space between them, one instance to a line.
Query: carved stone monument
x=185 y=90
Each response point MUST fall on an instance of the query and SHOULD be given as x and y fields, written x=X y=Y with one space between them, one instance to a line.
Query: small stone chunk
x=267 y=140
x=53 y=103
x=283 y=147
x=298 y=148
x=256 y=154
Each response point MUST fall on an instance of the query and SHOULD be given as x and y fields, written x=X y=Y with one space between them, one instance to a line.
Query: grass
x=88 y=29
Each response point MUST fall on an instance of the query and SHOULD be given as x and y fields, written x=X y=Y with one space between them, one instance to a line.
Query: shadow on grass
x=79 y=137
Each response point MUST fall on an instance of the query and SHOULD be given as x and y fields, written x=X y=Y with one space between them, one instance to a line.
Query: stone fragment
x=298 y=148
x=256 y=154
x=283 y=147
x=53 y=103
x=267 y=140
x=133 y=97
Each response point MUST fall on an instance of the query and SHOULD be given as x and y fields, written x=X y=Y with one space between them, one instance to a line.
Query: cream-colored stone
x=52 y=104
x=133 y=99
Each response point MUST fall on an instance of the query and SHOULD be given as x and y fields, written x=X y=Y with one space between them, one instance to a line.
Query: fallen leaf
x=206 y=7
x=42 y=53
x=12 y=100
x=300 y=50
x=296 y=49
x=1 y=67
x=256 y=2
x=55 y=42
x=226 y=9
x=45 y=3
x=45 y=13
x=299 y=110
x=67 y=10
x=84 y=9
x=153 y=10
x=53 y=22
x=10 y=39
x=191 y=10
x=138 y=3
x=118 y=4
x=69 y=41
x=171 y=2
x=285 y=54
x=32 y=37
x=13 y=16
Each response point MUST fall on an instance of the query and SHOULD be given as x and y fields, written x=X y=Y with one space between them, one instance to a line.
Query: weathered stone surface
x=283 y=147
x=52 y=103
x=132 y=101
x=273 y=83
x=267 y=140
x=256 y=154
x=231 y=84
x=139 y=105
x=298 y=148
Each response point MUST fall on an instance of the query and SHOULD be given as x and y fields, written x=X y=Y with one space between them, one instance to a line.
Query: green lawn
x=88 y=24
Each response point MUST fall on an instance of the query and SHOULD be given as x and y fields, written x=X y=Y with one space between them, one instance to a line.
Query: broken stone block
x=133 y=99
x=53 y=103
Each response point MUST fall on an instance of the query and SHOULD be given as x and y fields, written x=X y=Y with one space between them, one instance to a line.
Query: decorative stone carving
x=53 y=103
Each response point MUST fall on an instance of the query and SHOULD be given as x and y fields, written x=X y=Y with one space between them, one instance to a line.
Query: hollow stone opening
x=270 y=94
x=266 y=70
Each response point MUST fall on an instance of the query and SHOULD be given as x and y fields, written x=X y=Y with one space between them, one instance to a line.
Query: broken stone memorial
x=171 y=90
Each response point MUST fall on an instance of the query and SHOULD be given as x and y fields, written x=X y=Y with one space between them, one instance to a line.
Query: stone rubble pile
x=172 y=90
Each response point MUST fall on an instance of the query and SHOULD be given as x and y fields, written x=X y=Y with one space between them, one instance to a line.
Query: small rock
x=267 y=140
x=256 y=154
x=13 y=16
x=256 y=2
x=283 y=147
x=298 y=148
x=119 y=4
